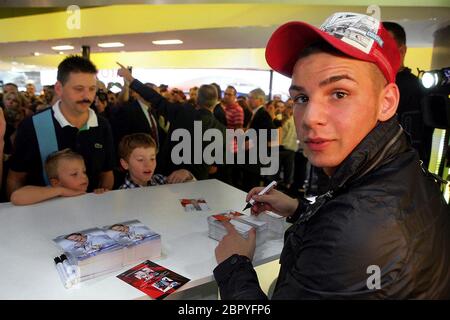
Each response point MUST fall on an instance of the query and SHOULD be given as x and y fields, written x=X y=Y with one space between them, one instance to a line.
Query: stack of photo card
x=242 y=223
x=154 y=280
x=95 y=251
x=277 y=223
x=92 y=251
x=140 y=243
x=191 y=205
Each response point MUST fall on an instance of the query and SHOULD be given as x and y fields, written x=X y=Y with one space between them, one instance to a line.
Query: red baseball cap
x=356 y=35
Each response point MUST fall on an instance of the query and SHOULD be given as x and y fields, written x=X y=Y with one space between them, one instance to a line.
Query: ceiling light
x=166 y=42
x=36 y=54
x=110 y=44
x=64 y=47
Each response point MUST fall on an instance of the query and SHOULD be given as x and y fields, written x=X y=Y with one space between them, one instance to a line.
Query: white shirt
x=92 y=120
x=144 y=108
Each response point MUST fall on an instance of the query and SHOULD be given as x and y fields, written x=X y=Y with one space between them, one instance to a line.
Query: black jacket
x=129 y=119
x=181 y=116
x=220 y=115
x=411 y=114
x=261 y=120
x=382 y=211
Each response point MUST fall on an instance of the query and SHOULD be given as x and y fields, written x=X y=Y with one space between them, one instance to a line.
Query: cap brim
x=289 y=40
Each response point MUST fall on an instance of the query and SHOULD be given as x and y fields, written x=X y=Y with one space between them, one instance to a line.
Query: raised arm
x=166 y=108
x=124 y=95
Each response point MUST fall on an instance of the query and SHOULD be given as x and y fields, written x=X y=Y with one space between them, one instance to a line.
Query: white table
x=27 y=270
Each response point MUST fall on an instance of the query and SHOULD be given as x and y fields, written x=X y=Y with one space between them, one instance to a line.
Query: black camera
x=436 y=103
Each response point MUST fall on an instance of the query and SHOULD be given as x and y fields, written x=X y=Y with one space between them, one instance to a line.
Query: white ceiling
x=218 y=38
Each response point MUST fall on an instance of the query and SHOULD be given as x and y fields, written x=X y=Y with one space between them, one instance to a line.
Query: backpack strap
x=46 y=137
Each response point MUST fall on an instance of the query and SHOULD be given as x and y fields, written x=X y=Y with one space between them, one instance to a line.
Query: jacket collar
x=379 y=147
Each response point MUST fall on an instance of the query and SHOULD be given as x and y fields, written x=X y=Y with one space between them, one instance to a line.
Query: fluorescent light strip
x=167 y=42
x=110 y=44
x=64 y=47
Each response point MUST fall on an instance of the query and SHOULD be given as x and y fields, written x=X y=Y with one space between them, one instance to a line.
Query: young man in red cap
x=382 y=229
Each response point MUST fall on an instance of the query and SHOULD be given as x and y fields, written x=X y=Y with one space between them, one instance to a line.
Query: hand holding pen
x=265 y=190
x=272 y=200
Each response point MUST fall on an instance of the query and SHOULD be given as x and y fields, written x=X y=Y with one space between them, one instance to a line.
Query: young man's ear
x=390 y=97
x=124 y=164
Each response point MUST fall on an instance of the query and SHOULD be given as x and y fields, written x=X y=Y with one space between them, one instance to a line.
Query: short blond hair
x=53 y=160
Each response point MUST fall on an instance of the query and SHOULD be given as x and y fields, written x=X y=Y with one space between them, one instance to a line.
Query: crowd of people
x=127 y=112
x=115 y=118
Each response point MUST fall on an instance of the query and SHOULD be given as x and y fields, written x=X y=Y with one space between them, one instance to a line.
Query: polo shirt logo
x=98 y=146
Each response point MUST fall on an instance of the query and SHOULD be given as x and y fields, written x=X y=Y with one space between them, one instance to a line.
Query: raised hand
x=124 y=73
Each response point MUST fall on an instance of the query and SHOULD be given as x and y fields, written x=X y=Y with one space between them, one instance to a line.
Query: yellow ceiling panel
x=124 y=19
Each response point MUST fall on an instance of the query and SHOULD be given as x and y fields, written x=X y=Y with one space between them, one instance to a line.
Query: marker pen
x=70 y=270
x=62 y=273
x=262 y=192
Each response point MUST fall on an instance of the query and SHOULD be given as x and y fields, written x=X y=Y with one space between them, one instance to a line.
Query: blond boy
x=67 y=176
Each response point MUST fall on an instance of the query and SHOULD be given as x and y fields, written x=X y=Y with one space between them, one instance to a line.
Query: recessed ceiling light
x=166 y=42
x=64 y=47
x=110 y=44
x=36 y=54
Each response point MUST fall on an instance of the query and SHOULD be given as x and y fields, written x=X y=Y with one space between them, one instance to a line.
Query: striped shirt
x=157 y=179
x=235 y=120
x=235 y=116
